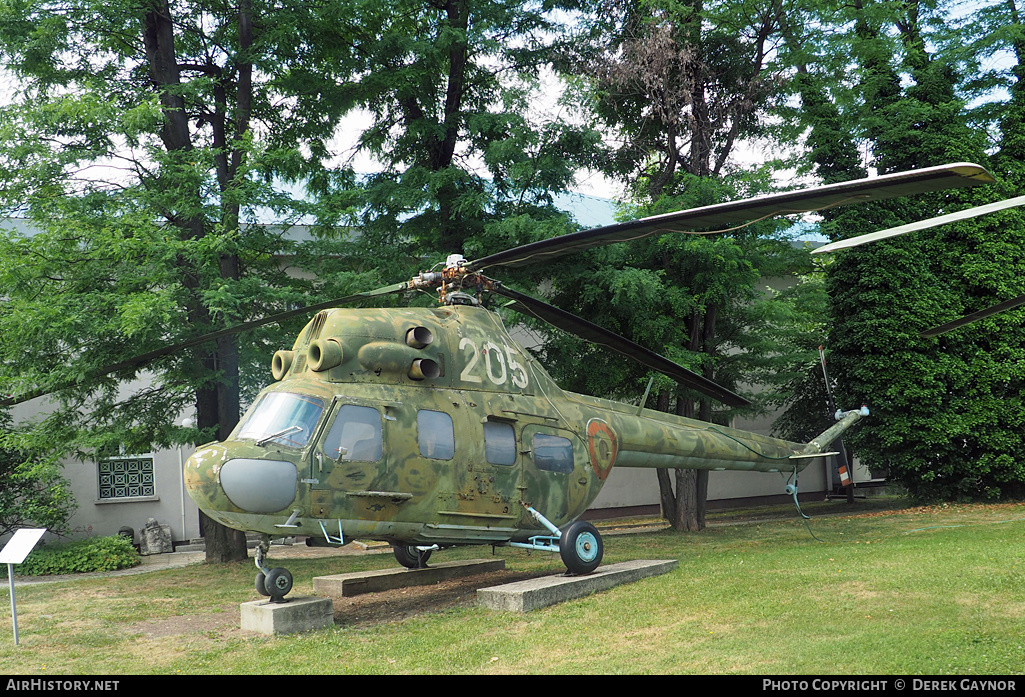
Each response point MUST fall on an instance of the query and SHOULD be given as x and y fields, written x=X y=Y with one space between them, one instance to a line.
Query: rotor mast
x=455 y=283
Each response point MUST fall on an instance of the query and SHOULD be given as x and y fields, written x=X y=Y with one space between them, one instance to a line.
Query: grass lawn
x=876 y=589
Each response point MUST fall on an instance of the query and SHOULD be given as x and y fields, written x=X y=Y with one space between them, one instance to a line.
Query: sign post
x=14 y=552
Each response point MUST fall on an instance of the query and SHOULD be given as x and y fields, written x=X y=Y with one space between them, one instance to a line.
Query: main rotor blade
x=723 y=216
x=603 y=337
x=922 y=225
x=144 y=358
x=974 y=317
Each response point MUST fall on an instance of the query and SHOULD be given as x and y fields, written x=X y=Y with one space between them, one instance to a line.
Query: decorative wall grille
x=126 y=477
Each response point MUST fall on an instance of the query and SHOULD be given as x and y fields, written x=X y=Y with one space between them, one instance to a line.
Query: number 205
x=500 y=364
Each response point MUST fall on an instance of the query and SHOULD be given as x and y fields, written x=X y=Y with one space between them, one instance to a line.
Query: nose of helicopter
x=216 y=481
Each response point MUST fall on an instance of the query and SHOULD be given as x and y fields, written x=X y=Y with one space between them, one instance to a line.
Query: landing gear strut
x=579 y=545
x=271 y=583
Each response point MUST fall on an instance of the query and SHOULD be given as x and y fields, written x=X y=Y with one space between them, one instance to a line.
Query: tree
x=147 y=140
x=468 y=163
x=32 y=492
x=142 y=142
x=681 y=85
x=947 y=412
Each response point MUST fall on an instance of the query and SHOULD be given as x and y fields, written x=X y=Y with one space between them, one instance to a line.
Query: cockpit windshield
x=282 y=418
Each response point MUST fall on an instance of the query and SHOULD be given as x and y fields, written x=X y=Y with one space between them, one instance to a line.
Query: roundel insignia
x=602 y=446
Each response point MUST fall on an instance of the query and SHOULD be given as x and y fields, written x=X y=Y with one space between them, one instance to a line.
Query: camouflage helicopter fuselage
x=432 y=426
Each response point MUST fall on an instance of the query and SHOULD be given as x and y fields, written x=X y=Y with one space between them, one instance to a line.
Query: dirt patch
x=403 y=603
x=359 y=611
x=219 y=622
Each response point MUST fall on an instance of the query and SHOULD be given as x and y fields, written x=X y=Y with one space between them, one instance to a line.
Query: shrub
x=82 y=556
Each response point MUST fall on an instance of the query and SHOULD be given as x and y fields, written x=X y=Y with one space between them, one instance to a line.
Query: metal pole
x=187 y=422
x=14 y=610
x=181 y=492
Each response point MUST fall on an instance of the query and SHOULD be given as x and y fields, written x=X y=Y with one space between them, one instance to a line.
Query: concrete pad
x=346 y=585
x=299 y=614
x=524 y=596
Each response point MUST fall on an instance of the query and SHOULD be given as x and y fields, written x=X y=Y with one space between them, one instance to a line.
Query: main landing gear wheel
x=411 y=557
x=581 y=548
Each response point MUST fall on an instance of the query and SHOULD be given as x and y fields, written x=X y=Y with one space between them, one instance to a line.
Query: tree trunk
x=684 y=504
x=682 y=495
x=216 y=405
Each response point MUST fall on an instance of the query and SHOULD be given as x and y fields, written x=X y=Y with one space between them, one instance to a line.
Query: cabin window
x=355 y=435
x=553 y=453
x=435 y=435
x=282 y=418
x=499 y=443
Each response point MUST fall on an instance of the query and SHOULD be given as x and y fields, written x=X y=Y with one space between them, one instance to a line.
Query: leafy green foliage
x=452 y=90
x=947 y=412
x=145 y=145
x=148 y=144
x=800 y=319
x=32 y=491
x=682 y=85
x=81 y=556
x=145 y=176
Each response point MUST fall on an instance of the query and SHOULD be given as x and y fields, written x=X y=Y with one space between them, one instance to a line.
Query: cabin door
x=556 y=481
x=483 y=463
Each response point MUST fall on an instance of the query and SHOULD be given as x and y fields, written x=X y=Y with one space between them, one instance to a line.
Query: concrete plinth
x=299 y=614
x=524 y=596
x=346 y=585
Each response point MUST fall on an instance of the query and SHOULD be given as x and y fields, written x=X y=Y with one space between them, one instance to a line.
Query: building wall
x=170 y=504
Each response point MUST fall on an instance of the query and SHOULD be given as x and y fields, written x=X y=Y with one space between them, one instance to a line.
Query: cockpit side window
x=435 y=434
x=282 y=418
x=355 y=435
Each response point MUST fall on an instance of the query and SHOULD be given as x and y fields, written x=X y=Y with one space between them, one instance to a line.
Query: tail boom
x=689 y=444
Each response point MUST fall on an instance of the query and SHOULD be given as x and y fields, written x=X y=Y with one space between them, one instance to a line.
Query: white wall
x=94 y=517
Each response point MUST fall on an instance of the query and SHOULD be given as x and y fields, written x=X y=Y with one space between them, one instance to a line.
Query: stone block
x=524 y=596
x=298 y=614
x=155 y=539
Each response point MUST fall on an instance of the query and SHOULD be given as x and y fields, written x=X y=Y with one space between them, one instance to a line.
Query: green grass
x=930 y=590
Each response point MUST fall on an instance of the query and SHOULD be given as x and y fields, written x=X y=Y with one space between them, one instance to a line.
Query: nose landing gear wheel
x=411 y=557
x=277 y=582
x=581 y=548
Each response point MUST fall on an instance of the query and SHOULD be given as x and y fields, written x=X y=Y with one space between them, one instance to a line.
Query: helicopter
x=430 y=428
